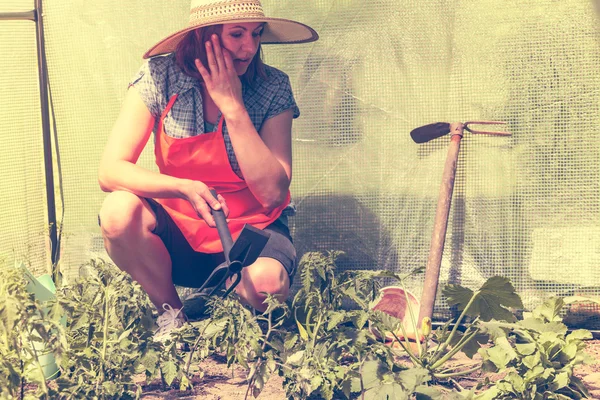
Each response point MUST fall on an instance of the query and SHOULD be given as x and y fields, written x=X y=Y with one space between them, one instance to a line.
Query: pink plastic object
x=393 y=301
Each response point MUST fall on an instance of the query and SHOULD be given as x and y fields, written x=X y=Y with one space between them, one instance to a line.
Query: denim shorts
x=191 y=268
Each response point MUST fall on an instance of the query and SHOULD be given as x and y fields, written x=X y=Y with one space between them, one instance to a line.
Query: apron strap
x=220 y=124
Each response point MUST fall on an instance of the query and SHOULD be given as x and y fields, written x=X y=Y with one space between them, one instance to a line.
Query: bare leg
x=127 y=223
x=265 y=275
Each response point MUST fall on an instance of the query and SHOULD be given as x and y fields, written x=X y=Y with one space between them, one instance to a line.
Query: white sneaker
x=167 y=321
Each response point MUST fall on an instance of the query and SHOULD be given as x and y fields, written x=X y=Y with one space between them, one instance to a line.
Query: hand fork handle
x=222 y=228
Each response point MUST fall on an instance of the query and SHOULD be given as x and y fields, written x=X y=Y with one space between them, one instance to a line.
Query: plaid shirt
x=160 y=78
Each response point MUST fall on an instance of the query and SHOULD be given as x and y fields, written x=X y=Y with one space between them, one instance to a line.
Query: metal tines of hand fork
x=481 y=132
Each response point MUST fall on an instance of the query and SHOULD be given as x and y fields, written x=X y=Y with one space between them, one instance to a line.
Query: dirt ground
x=219 y=383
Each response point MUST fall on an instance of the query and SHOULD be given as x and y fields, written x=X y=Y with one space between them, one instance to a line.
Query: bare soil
x=221 y=383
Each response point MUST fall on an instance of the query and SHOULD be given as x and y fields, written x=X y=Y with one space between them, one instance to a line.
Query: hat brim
x=276 y=31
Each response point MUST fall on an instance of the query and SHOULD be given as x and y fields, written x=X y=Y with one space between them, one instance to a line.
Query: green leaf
x=110 y=388
x=549 y=311
x=387 y=391
x=359 y=319
x=296 y=358
x=561 y=380
x=569 y=352
x=260 y=378
x=495 y=294
x=150 y=360
x=472 y=346
x=124 y=334
x=302 y=331
x=184 y=384
x=169 y=370
x=538 y=325
x=428 y=393
x=534 y=373
x=413 y=378
x=491 y=394
x=525 y=349
x=579 y=334
x=532 y=361
x=290 y=341
x=354 y=385
x=335 y=318
x=501 y=354
x=347 y=387
x=371 y=373
x=578 y=385
x=316 y=381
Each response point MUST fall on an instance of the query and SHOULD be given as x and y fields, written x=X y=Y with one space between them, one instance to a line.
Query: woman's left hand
x=221 y=80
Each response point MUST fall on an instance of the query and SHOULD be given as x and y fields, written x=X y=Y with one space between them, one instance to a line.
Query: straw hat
x=213 y=12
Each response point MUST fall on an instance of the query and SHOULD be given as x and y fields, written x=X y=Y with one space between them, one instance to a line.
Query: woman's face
x=242 y=41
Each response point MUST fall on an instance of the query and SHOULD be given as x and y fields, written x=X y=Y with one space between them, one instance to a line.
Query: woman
x=221 y=119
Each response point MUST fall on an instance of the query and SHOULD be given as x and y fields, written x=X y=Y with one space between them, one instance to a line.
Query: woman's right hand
x=199 y=196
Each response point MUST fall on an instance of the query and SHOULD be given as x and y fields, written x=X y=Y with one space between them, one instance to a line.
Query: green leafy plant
x=334 y=352
x=485 y=304
x=246 y=338
x=109 y=328
x=27 y=332
x=537 y=356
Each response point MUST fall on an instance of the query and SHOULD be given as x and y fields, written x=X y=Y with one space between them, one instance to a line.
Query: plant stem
x=415 y=360
x=453 y=374
x=22 y=370
x=455 y=383
x=269 y=329
x=413 y=320
x=462 y=343
x=439 y=343
x=314 y=339
x=104 y=339
x=308 y=329
x=439 y=352
x=38 y=365
x=259 y=361
x=407 y=347
x=250 y=382
x=362 y=386
x=284 y=366
x=193 y=349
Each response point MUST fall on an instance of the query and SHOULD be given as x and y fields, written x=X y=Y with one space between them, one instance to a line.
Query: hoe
x=395 y=300
x=424 y=134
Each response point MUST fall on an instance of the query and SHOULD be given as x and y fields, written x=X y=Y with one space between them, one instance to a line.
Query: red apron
x=204 y=158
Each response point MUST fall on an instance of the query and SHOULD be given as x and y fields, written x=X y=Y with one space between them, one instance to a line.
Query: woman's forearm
x=124 y=175
x=265 y=176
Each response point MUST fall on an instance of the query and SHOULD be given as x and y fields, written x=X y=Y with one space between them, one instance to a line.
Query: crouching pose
x=220 y=119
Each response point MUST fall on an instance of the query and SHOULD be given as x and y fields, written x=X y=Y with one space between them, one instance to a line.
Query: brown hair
x=192 y=48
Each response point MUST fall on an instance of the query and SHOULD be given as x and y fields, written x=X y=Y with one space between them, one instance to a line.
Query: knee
x=121 y=212
x=265 y=276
